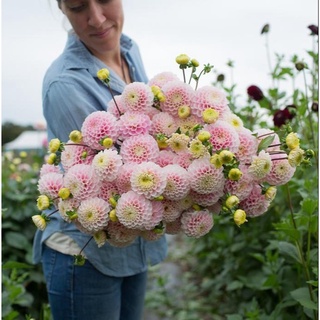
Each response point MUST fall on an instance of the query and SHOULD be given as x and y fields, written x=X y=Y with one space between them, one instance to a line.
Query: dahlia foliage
x=165 y=158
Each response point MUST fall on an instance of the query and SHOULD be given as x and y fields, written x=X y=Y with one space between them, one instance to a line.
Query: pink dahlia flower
x=177 y=186
x=231 y=118
x=163 y=123
x=281 y=171
x=68 y=206
x=157 y=215
x=185 y=203
x=107 y=164
x=82 y=182
x=165 y=158
x=134 y=211
x=196 y=223
x=209 y=97
x=123 y=180
x=50 y=184
x=93 y=214
x=162 y=78
x=119 y=235
x=75 y=154
x=141 y=148
x=223 y=136
x=152 y=235
x=116 y=105
x=256 y=203
x=177 y=94
x=206 y=200
x=137 y=96
x=204 y=177
x=49 y=168
x=260 y=166
x=215 y=208
x=174 y=227
x=134 y=123
x=171 y=211
x=184 y=160
x=97 y=126
x=241 y=188
x=186 y=125
x=148 y=179
x=248 y=146
x=108 y=190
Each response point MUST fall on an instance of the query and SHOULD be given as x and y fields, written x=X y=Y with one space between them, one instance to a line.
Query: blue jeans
x=84 y=293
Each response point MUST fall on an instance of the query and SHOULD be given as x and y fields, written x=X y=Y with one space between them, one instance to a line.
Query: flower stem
x=303 y=261
x=85 y=245
x=309 y=111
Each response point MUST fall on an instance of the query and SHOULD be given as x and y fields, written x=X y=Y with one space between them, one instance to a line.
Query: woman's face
x=98 y=23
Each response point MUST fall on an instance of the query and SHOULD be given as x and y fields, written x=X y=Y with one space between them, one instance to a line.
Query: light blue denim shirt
x=71 y=91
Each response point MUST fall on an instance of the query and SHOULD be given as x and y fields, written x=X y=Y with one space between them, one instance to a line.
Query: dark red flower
x=255 y=93
x=313 y=29
x=280 y=117
x=315 y=107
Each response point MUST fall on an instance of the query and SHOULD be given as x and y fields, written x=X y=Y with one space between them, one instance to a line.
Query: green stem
x=303 y=261
x=269 y=59
x=308 y=109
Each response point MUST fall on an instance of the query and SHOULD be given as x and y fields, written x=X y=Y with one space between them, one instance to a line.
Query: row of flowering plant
x=165 y=158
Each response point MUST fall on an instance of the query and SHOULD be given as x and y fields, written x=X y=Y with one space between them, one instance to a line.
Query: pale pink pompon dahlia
x=281 y=171
x=157 y=215
x=119 y=235
x=163 y=123
x=99 y=125
x=177 y=94
x=107 y=164
x=93 y=214
x=148 y=179
x=49 y=168
x=82 y=181
x=134 y=123
x=223 y=136
x=256 y=203
x=137 y=96
x=75 y=154
x=177 y=186
x=141 y=148
x=50 y=184
x=162 y=78
x=204 y=177
x=196 y=223
x=66 y=207
x=134 y=211
x=209 y=97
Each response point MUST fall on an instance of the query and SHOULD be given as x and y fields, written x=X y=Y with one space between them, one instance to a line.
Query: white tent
x=28 y=140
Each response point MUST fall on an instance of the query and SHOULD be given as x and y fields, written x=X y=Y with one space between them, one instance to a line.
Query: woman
x=111 y=284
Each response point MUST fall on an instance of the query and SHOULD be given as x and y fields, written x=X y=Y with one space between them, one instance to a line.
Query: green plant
x=23 y=292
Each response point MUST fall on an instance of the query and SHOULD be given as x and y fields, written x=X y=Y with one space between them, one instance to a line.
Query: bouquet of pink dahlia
x=164 y=158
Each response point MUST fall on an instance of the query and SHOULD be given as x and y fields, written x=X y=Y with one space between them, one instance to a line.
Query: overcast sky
x=212 y=31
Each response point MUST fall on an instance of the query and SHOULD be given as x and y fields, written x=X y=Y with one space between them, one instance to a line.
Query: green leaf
x=265 y=142
x=309 y=206
x=303 y=297
x=290 y=250
x=234 y=317
x=288 y=230
x=16 y=240
x=265 y=103
x=16 y=265
x=234 y=285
